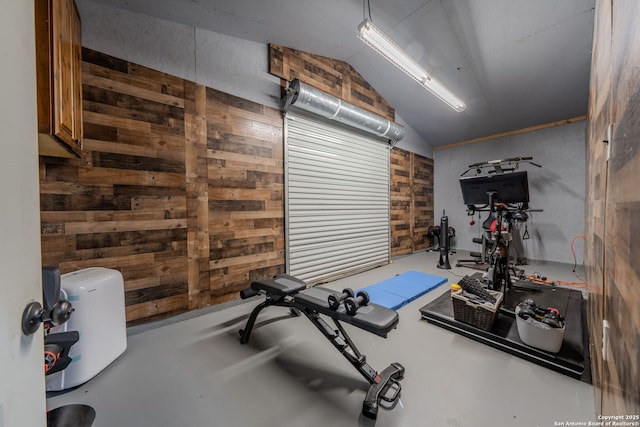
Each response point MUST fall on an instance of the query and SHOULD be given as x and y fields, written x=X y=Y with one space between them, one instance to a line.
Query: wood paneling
x=245 y=162
x=197 y=194
x=599 y=118
x=411 y=201
x=332 y=76
x=613 y=207
x=181 y=189
x=621 y=391
x=401 y=203
x=422 y=191
x=125 y=205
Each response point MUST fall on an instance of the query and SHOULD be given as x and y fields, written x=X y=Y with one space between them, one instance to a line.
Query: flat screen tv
x=510 y=188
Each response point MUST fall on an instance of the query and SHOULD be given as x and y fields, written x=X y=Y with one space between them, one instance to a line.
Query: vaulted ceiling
x=516 y=63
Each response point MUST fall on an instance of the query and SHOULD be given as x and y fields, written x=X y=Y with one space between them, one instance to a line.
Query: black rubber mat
x=573 y=357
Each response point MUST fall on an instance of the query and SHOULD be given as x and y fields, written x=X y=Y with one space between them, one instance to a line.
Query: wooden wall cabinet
x=59 y=78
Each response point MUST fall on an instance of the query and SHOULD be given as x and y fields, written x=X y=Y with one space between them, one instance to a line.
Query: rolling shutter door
x=337 y=199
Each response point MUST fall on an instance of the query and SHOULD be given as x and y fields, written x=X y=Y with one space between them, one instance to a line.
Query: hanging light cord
x=366 y=7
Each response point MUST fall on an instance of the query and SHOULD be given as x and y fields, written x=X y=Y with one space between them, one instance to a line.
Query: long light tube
x=381 y=43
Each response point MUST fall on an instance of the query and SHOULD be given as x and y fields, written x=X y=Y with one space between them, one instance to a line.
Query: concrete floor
x=192 y=371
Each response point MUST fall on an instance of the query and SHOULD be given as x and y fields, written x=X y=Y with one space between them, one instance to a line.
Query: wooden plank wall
x=125 y=205
x=246 y=187
x=422 y=215
x=598 y=118
x=401 y=203
x=330 y=75
x=181 y=189
x=613 y=213
x=622 y=217
x=411 y=201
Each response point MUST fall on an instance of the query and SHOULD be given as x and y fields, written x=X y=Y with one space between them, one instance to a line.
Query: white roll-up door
x=337 y=199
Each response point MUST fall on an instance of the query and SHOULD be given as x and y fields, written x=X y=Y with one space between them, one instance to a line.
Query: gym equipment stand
x=284 y=291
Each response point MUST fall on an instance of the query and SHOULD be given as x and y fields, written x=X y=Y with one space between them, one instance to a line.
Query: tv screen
x=510 y=188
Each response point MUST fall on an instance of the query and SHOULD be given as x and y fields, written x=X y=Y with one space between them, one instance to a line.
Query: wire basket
x=481 y=316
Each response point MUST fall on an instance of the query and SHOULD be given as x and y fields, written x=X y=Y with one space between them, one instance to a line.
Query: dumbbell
x=353 y=304
x=335 y=300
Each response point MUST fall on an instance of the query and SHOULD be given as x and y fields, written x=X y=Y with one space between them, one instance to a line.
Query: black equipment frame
x=501 y=195
x=573 y=359
x=384 y=386
x=502 y=208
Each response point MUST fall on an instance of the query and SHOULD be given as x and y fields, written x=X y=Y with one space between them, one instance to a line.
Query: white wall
x=229 y=64
x=22 y=395
x=413 y=142
x=558 y=188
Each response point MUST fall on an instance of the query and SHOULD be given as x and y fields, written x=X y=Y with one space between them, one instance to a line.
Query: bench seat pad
x=373 y=318
x=279 y=286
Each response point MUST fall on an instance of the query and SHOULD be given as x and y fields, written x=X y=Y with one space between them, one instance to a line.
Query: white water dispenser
x=97 y=297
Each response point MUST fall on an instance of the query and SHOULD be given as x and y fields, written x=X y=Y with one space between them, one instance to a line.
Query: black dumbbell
x=335 y=299
x=353 y=304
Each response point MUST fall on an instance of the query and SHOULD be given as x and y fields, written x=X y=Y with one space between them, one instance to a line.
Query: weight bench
x=288 y=291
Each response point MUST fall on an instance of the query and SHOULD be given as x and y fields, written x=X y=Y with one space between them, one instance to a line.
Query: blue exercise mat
x=402 y=289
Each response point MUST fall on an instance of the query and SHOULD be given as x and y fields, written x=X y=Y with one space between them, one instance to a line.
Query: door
x=22 y=395
x=337 y=199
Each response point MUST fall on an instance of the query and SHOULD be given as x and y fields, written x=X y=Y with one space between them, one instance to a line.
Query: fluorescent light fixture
x=381 y=43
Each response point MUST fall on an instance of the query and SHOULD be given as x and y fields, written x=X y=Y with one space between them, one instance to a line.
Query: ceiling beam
x=511 y=132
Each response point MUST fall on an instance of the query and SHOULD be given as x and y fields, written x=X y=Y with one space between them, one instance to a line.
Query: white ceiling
x=516 y=63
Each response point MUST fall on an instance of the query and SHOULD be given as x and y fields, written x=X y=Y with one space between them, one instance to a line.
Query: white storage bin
x=97 y=296
x=540 y=335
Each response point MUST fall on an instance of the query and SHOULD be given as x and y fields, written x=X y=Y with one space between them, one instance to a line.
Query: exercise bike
x=495 y=176
x=504 y=193
x=498 y=271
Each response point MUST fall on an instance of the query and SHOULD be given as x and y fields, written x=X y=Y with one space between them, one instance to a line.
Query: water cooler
x=97 y=296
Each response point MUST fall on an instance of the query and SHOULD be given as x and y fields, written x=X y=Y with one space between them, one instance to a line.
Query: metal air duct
x=315 y=101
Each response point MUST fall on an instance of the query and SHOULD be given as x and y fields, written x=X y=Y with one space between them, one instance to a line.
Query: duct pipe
x=315 y=101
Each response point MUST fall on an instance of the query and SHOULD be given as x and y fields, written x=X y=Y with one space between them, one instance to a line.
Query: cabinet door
x=77 y=77
x=67 y=102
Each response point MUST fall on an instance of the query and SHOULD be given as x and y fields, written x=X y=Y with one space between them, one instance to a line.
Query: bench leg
x=245 y=333
x=387 y=389
x=384 y=386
